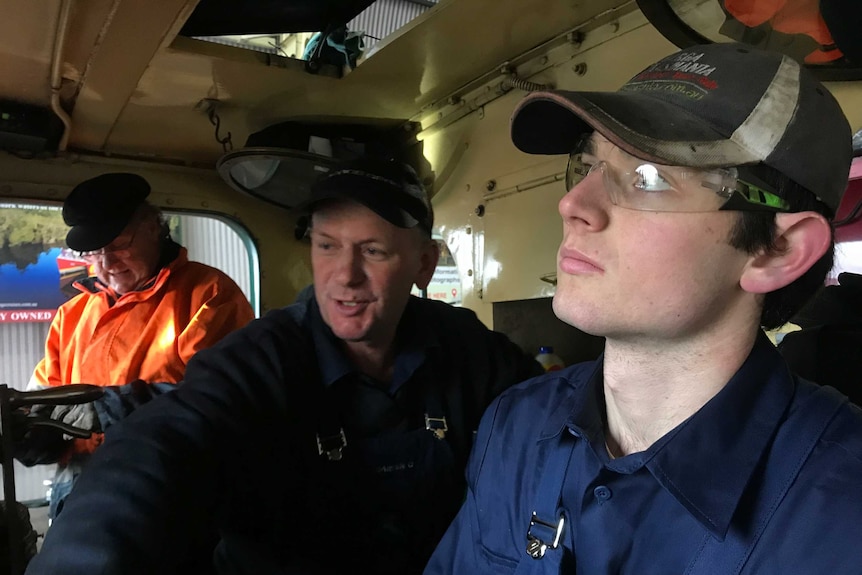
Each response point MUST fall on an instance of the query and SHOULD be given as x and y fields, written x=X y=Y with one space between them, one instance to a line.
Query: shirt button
x=602 y=493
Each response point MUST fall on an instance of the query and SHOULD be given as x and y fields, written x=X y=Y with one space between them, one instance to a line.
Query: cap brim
x=84 y=238
x=550 y=122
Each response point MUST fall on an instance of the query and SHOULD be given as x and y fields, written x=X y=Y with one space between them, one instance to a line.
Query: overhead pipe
x=56 y=72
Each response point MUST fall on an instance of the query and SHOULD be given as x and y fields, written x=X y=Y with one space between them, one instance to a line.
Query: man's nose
x=108 y=258
x=587 y=200
x=350 y=270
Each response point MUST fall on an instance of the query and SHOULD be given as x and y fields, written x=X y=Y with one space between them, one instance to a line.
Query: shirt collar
x=331 y=361
x=710 y=458
x=415 y=339
x=580 y=411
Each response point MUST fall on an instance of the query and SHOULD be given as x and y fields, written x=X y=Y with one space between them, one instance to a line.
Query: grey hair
x=147 y=210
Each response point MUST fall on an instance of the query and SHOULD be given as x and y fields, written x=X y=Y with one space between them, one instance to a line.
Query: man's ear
x=801 y=239
x=429 y=257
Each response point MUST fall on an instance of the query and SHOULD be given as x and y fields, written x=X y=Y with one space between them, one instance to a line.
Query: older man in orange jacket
x=142 y=315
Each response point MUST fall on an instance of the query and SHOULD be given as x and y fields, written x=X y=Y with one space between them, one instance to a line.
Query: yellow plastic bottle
x=549 y=360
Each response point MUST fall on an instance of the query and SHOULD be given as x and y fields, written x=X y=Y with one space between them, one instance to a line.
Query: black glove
x=37 y=445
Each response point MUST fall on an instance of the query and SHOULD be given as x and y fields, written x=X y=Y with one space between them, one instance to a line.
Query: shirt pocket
x=496 y=547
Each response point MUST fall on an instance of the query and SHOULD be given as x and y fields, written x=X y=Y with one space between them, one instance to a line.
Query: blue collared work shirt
x=651 y=513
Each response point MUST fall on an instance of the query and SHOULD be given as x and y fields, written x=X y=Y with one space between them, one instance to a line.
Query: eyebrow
x=371 y=240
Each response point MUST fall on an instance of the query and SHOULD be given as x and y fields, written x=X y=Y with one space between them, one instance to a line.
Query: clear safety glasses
x=118 y=251
x=638 y=185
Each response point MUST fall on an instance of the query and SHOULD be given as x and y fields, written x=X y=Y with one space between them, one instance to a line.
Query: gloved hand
x=81 y=415
x=37 y=445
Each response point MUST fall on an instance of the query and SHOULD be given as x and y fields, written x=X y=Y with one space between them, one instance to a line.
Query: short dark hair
x=755 y=231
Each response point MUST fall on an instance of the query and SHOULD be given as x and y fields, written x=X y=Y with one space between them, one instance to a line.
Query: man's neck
x=652 y=388
x=377 y=362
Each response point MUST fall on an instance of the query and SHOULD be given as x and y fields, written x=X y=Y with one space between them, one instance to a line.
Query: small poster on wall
x=36 y=269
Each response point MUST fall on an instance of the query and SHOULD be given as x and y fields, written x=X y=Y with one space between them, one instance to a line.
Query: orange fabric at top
x=149 y=334
x=789 y=17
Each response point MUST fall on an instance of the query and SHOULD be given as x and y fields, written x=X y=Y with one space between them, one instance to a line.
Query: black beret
x=100 y=208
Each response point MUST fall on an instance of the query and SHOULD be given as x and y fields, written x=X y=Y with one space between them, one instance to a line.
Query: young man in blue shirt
x=698 y=211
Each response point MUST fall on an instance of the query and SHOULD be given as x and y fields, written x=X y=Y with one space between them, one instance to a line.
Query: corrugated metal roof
x=378 y=21
x=240 y=42
x=387 y=16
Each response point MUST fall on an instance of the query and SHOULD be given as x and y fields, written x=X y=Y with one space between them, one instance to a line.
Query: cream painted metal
x=135 y=86
x=26 y=42
x=515 y=242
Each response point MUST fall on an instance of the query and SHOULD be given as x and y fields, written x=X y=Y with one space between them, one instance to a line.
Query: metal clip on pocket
x=536 y=547
x=332 y=445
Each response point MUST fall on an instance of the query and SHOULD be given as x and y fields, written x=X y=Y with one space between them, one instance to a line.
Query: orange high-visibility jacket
x=149 y=334
x=788 y=17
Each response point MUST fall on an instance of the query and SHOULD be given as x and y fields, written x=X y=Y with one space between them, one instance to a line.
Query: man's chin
x=116 y=282
x=122 y=288
x=119 y=288
x=351 y=334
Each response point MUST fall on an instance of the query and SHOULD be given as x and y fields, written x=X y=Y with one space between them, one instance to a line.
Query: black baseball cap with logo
x=389 y=188
x=711 y=106
x=100 y=208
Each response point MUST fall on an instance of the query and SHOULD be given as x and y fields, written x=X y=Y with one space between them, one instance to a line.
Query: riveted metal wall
x=385 y=17
x=212 y=241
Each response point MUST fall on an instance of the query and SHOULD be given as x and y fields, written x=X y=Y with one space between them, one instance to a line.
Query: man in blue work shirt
x=698 y=210
x=328 y=437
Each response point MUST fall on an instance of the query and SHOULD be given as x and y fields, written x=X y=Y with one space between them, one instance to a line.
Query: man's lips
x=574 y=262
x=350 y=306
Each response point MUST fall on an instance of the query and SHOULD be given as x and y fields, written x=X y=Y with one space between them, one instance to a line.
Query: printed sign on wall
x=36 y=270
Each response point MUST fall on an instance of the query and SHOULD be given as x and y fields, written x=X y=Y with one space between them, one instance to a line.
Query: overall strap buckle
x=437 y=426
x=332 y=445
x=536 y=547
